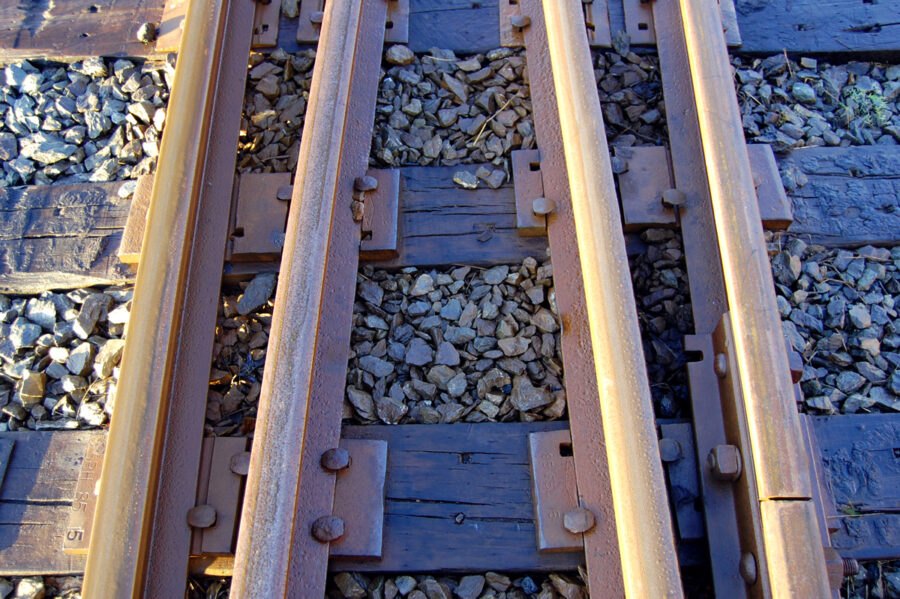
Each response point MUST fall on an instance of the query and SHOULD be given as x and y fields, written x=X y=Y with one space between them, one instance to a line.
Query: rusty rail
x=302 y=391
x=120 y=540
x=794 y=553
x=643 y=523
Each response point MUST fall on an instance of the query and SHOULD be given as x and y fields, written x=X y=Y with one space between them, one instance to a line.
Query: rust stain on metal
x=596 y=21
x=84 y=502
x=302 y=393
x=555 y=490
x=529 y=186
x=359 y=499
x=260 y=217
x=381 y=216
x=510 y=36
x=639 y=21
x=154 y=439
x=266 y=19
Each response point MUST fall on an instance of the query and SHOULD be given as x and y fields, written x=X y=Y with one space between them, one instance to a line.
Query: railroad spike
x=284 y=193
x=335 y=459
x=543 y=206
x=316 y=17
x=670 y=450
x=520 y=21
x=579 y=520
x=747 y=568
x=365 y=183
x=201 y=516
x=720 y=365
x=240 y=463
x=327 y=529
x=672 y=198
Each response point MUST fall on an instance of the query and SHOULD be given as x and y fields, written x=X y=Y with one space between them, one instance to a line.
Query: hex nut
x=725 y=462
x=327 y=529
x=335 y=459
x=201 y=516
x=578 y=520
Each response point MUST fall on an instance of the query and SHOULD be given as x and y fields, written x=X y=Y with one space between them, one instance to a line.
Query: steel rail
x=268 y=541
x=794 y=553
x=643 y=523
x=119 y=545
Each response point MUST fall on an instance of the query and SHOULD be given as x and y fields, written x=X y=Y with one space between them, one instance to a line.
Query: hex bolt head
x=725 y=462
x=366 y=183
x=542 y=206
x=578 y=520
x=240 y=463
x=201 y=516
x=673 y=198
x=747 y=568
x=670 y=450
x=520 y=21
x=720 y=365
x=327 y=529
x=335 y=459
x=316 y=17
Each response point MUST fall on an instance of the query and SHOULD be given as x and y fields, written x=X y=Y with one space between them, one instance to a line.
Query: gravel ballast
x=792 y=104
x=838 y=310
x=100 y=119
x=456 y=344
x=275 y=102
x=440 y=109
x=59 y=356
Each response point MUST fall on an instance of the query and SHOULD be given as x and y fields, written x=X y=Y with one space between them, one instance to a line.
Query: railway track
x=600 y=491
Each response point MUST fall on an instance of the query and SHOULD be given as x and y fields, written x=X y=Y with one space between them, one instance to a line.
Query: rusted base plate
x=359 y=499
x=596 y=21
x=555 y=492
x=528 y=182
x=396 y=26
x=649 y=174
x=381 y=217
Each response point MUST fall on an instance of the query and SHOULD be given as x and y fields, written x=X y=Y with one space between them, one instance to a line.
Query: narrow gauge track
x=767 y=534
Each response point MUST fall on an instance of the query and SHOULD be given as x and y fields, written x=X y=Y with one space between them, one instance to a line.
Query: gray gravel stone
x=257 y=292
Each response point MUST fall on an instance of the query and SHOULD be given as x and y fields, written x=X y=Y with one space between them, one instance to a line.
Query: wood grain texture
x=850 y=195
x=35 y=499
x=61 y=236
x=441 y=223
x=57 y=29
x=463 y=26
x=477 y=513
x=770 y=26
